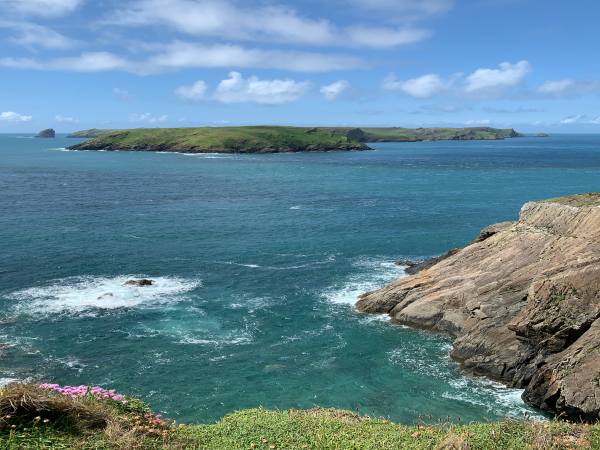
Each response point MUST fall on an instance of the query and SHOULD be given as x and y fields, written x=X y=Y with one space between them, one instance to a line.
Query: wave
x=88 y=293
x=493 y=396
x=372 y=274
x=60 y=149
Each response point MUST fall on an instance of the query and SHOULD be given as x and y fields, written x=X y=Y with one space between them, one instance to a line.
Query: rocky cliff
x=48 y=133
x=522 y=303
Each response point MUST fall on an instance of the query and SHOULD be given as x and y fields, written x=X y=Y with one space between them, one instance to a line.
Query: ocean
x=258 y=260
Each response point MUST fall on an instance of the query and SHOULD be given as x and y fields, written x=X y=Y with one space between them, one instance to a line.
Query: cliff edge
x=522 y=302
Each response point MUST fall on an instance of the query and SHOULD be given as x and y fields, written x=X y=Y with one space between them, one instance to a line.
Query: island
x=522 y=303
x=48 y=133
x=271 y=139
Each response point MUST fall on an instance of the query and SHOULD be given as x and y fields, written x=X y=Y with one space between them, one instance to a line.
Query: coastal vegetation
x=271 y=139
x=52 y=417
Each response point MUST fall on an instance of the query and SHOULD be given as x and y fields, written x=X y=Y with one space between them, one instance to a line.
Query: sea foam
x=87 y=293
x=371 y=274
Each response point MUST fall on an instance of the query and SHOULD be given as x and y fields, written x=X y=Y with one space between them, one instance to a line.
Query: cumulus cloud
x=192 y=92
x=334 y=90
x=11 y=116
x=568 y=87
x=237 y=89
x=147 y=118
x=184 y=55
x=271 y=23
x=506 y=75
x=66 y=119
x=41 y=8
x=33 y=35
x=425 y=86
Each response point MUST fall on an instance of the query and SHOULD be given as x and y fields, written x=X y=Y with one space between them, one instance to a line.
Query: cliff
x=522 y=303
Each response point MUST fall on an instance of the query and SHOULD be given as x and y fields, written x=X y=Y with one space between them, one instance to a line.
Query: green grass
x=268 y=139
x=227 y=139
x=590 y=199
x=436 y=134
x=127 y=427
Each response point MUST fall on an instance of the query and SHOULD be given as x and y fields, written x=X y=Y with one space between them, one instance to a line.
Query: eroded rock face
x=523 y=304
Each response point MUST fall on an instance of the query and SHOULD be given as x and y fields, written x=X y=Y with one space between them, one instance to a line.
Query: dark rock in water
x=522 y=303
x=46 y=134
x=106 y=296
x=141 y=282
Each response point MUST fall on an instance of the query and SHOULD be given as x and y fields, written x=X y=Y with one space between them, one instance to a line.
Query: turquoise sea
x=258 y=260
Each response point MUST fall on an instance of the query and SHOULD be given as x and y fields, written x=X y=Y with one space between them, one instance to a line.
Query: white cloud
x=41 y=8
x=422 y=87
x=122 y=94
x=420 y=7
x=334 y=90
x=147 y=118
x=237 y=89
x=192 y=92
x=479 y=122
x=572 y=119
x=10 y=116
x=66 y=119
x=183 y=55
x=374 y=37
x=228 y=20
x=32 y=35
x=568 y=87
x=507 y=75
x=596 y=121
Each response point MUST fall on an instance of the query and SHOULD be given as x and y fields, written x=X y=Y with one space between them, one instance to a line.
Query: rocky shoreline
x=522 y=303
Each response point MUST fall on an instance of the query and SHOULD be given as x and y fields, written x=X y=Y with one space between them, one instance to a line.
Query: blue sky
x=75 y=64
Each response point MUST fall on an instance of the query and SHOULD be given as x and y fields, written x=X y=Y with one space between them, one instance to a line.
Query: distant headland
x=271 y=139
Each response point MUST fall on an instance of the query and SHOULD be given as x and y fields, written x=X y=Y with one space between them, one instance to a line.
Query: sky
x=77 y=64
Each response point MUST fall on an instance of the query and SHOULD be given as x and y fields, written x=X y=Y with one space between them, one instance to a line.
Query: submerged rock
x=522 y=302
x=106 y=296
x=140 y=282
x=46 y=134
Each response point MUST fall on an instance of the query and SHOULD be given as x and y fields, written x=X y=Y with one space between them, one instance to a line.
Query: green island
x=271 y=139
x=38 y=417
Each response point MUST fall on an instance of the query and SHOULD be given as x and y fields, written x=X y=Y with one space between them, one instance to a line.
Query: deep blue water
x=258 y=259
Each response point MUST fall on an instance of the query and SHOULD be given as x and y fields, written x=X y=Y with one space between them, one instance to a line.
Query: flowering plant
x=83 y=391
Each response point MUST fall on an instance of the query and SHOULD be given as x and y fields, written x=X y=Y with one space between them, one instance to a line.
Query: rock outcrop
x=46 y=134
x=141 y=282
x=522 y=303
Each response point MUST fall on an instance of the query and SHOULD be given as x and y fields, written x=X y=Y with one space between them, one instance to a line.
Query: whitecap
x=88 y=293
x=495 y=397
x=60 y=149
x=373 y=274
x=6 y=381
x=296 y=207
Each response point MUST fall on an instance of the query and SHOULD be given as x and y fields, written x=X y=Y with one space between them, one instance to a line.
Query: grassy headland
x=33 y=417
x=271 y=139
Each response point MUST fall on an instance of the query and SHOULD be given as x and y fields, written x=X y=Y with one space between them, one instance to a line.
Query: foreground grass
x=36 y=418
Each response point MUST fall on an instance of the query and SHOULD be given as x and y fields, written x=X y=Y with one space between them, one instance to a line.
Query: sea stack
x=48 y=133
x=522 y=303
